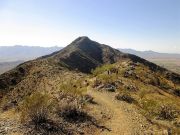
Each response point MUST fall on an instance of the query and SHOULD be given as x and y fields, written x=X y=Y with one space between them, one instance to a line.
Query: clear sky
x=137 y=24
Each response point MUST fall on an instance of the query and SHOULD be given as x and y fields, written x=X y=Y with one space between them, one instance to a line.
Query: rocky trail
x=124 y=118
x=120 y=118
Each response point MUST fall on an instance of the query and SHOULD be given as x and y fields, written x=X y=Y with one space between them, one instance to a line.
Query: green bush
x=143 y=92
x=149 y=104
x=37 y=105
x=150 y=107
x=37 y=112
x=102 y=69
x=106 y=79
x=72 y=87
x=165 y=84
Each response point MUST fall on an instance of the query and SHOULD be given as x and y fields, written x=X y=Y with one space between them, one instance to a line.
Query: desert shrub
x=154 y=80
x=4 y=104
x=72 y=87
x=73 y=113
x=35 y=113
x=35 y=106
x=177 y=92
x=167 y=112
x=142 y=94
x=125 y=97
x=144 y=91
x=149 y=106
x=102 y=69
x=41 y=122
x=105 y=78
x=165 y=84
x=87 y=99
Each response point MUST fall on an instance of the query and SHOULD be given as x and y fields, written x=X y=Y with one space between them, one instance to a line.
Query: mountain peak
x=85 y=54
x=83 y=40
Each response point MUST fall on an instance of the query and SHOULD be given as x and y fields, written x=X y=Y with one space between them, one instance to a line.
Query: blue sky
x=137 y=24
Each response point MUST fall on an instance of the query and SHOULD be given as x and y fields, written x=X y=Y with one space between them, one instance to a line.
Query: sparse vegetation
x=149 y=107
x=142 y=94
x=146 y=90
x=165 y=84
x=73 y=87
x=36 y=108
x=45 y=116
x=167 y=112
x=105 y=78
x=102 y=69
x=36 y=112
x=73 y=113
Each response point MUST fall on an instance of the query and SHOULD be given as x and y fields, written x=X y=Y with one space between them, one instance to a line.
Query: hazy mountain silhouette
x=23 y=53
x=151 y=54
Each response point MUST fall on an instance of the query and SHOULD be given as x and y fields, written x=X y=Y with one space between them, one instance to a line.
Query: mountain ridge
x=89 y=50
x=90 y=81
x=21 y=52
x=79 y=55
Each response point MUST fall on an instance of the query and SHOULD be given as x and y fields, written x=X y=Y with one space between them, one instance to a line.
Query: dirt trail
x=124 y=118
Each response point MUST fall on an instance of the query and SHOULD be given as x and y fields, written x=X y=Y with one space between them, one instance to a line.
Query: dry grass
x=45 y=114
x=152 y=91
x=36 y=113
x=35 y=107
x=73 y=87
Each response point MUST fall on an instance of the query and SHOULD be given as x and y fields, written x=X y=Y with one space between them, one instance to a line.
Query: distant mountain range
x=151 y=54
x=11 y=56
x=23 y=53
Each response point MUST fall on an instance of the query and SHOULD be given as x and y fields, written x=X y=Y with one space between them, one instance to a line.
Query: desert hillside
x=89 y=88
x=11 y=56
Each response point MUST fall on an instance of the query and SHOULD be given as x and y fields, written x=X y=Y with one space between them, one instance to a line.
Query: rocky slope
x=71 y=71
